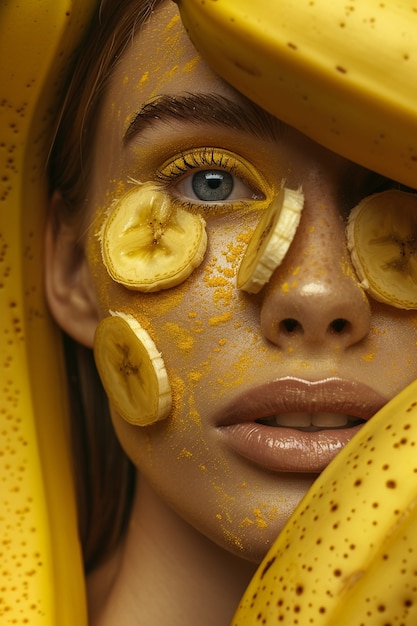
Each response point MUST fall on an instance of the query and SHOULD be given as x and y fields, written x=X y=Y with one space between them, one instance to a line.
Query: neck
x=165 y=566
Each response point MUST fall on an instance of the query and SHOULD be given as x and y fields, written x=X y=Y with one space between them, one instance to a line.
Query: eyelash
x=199 y=159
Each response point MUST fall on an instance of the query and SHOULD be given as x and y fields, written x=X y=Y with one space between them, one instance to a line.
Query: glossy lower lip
x=285 y=449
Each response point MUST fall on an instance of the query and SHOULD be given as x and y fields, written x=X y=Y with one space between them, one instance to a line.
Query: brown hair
x=104 y=476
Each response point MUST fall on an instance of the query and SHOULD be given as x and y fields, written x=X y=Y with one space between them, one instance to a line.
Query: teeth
x=319 y=420
x=294 y=420
x=329 y=420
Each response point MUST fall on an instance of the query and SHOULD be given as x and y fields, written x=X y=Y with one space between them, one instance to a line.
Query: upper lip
x=291 y=394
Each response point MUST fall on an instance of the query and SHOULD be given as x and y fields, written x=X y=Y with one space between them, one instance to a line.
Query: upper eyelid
x=216 y=158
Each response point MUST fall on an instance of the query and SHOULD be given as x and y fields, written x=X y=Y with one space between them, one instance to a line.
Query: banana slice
x=382 y=239
x=150 y=243
x=271 y=240
x=132 y=370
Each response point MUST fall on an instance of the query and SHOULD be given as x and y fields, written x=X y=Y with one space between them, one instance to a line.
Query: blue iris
x=212 y=185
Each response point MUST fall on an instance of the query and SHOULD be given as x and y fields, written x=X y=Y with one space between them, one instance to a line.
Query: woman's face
x=268 y=387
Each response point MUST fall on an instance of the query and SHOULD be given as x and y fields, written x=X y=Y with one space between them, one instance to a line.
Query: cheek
x=393 y=349
x=197 y=326
x=192 y=315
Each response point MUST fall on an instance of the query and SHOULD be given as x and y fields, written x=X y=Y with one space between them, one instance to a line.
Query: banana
x=353 y=529
x=132 y=370
x=382 y=239
x=271 y=239
x=41 y=579
x=149 y=242
x=341 y=73
x=387 y=592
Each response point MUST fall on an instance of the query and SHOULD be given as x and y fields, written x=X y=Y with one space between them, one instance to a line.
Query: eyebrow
x=213 y=109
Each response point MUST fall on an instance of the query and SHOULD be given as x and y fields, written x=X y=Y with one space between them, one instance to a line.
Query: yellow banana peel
x=342 y=73
x=347 y=555
x=41 y=579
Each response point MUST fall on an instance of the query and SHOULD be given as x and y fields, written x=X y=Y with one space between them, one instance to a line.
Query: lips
x=297 y=425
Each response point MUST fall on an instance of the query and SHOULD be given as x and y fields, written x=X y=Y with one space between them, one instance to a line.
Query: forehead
x=159 y=60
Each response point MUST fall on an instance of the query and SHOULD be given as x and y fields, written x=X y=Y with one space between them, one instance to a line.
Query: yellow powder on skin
x=194 y=376
x=143 y=79
x=347 y=269
x=168 y=301
x=234 y=253
x=172 y=23
x=205 y=367
x=265 y=513
x=220 y=319
x=247 y=522
x=179 y=336
x=197 y=327
x=223 y=295
x=233 y=539
x=178 y=388
x=245 y=236
x=257 y=520
x=185 y=454
x=193 y=413
x=225 y=519
x=191 y=65
x=223 y=288
x=378 y=332
x=216 y=281
x=181 y=419
x=167 y=55
x=368 y=357
x=237 y=374
x=229 y=272
x=260 y=522
x=169 y=74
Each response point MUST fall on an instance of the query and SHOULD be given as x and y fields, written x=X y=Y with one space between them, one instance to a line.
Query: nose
x=314 y=300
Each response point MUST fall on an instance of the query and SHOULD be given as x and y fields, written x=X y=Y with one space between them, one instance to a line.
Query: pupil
x=212 y=185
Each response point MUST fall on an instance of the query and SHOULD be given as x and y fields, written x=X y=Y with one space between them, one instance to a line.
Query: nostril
x=290 y=326
x=339 y=326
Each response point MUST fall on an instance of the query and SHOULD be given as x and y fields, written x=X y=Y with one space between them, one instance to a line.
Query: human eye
x=213 y=180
